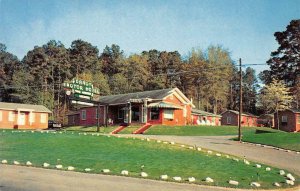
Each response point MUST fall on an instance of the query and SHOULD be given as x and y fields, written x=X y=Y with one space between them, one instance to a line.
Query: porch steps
x=142 y=129
x=117 y=130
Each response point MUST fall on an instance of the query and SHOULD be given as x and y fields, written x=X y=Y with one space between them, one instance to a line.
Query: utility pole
x=241 y=101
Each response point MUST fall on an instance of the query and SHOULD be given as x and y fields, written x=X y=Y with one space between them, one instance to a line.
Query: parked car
x=53 y=124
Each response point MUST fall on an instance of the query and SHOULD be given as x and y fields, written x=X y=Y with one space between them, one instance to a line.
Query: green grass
x=99 y=152
x=196 y=130
x=103 y=129
x=275 y=138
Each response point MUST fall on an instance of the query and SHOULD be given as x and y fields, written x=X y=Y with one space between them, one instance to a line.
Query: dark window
x=154 y=113
x=120 y=113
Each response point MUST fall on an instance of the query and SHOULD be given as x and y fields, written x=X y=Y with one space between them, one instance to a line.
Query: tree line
x=209 y=77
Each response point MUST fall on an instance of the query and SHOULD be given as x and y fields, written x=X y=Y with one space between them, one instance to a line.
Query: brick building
x=231 y=117
x=289 y=120
x=165 y=106
x=23 y=116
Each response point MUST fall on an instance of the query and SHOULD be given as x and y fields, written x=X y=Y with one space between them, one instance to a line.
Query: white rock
x=59 y=166
x=258 y=165
x=276 y=184
x=143 y=174
x=281 y=172
x=255 y=184
x=235 y=159
x=218 y=155
x=172 y=143
x=182 y=145
x=28 y=163
x=268 y=169
x=298 y=152
x=233 y=182
x=71 y=168
x=46 y=165
x=164 y=177
x=148 y=139
x=290 y=182
x=208 y=179
x=87 y=170
x=16 y=162
x=199 y=149
x=290 y=176
x=227 y=156
x=158 y=141
x=84 y=134
x=124 y=172
x=246 y=162
x=191 y=148
x=105 y=170
x=4 y=161
x=165 y=142
x=191 y=179
x=209 y=152
x=177 y=178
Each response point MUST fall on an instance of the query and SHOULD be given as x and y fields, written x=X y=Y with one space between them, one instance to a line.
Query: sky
x=244 y=27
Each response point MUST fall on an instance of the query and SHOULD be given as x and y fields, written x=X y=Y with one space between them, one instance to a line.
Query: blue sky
x=244 y=27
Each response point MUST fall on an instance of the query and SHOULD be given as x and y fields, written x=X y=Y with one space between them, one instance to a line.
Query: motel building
x=23 y=116
x=165 y=107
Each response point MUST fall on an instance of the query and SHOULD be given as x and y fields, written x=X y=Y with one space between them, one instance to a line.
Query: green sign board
x=81 y=88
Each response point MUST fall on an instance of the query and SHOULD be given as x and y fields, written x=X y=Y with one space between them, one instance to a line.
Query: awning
x=164 y=105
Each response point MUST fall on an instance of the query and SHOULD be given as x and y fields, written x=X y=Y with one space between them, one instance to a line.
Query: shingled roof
x=244 y=113
x=204 y=113
x=124 y=98
x=19 y=106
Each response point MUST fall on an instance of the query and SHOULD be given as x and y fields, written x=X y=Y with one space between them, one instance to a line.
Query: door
x=21 y=119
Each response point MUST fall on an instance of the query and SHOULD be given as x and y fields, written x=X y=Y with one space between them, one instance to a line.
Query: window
x=298 y=119
x=169 y=114
x=120 y=113
x=154 y=113
x=229 y=120
x=11 y=116
x=43 y=118
x=0 y=115
x=284 y=119
x=83 y=115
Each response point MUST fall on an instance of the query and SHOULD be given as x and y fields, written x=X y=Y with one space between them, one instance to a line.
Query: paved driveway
x=273 y=157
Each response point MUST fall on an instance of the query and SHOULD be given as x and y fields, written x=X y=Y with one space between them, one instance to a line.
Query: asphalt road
x=16 y=178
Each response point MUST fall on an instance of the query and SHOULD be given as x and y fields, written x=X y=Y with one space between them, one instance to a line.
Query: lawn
x=194 y=130
x=87 y=150
x=275 y=138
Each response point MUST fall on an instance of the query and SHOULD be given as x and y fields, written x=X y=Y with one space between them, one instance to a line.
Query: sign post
x=83 y=93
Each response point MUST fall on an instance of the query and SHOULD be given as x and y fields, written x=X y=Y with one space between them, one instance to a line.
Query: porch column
x=145 y=112
x=18 y=117
x=30 y=118
x=129 y=112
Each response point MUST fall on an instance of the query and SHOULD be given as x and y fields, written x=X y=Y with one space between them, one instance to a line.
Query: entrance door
x=135 y=114
x=21 y=119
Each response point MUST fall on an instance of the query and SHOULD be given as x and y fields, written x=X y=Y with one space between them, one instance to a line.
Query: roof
x=164 y=105
x=137 y=96
x=244 y=113
x=204 y=113
x=294 y=110
x=24 y=107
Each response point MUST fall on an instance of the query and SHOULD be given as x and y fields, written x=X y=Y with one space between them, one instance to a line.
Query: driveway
x=277 y=158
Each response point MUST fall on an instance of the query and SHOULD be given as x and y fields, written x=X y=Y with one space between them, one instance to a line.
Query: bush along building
x=23 y=116
x=165 y=107
x=205 y=118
